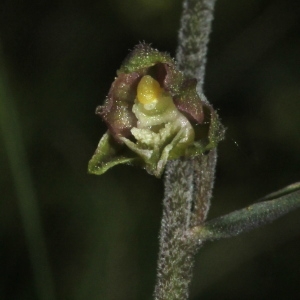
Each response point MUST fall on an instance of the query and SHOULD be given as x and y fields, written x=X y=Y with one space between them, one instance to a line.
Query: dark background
x=101 y=232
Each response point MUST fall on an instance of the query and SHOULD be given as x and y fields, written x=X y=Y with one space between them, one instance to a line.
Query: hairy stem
x=176 y=256
x=193 y=37
x=188 y=182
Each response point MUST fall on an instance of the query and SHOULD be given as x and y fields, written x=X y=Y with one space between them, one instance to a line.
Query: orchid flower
x=153 y=114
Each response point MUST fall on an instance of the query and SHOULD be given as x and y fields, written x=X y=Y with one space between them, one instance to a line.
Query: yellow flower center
x=148 y=90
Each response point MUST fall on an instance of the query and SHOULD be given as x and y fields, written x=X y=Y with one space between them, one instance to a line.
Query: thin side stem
x=188 y=182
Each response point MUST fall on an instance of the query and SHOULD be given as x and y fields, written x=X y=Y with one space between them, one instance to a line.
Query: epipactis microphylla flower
x=153 y=114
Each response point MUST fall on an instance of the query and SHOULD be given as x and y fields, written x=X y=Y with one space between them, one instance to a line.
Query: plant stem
x=188 y=182
x=193 y=37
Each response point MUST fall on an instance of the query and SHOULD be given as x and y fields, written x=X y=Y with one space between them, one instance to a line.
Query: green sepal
x=108 y=154
x=142 y=57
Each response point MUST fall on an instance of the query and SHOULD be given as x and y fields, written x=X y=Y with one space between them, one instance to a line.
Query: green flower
x=154 y=114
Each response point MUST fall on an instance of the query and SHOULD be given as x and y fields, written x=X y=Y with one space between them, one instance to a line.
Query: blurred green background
x=101 y=233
